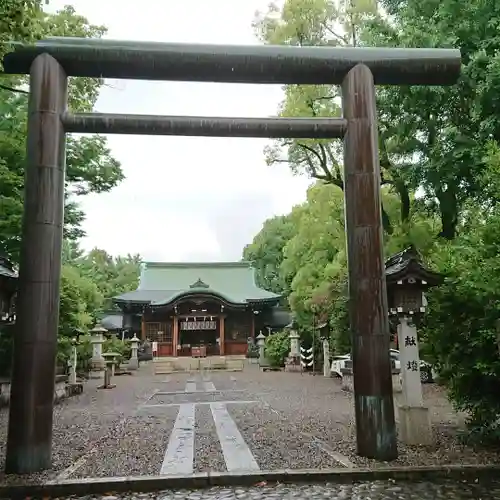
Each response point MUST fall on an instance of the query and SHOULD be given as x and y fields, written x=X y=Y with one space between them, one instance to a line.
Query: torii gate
x=49 y=64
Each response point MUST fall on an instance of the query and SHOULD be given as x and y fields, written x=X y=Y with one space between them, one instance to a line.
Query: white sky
x=185 y=198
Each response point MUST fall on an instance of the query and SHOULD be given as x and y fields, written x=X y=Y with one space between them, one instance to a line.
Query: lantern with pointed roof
x=98 y=329
x=407 y=279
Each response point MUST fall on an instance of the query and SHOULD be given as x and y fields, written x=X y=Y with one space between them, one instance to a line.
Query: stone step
x=170 y=365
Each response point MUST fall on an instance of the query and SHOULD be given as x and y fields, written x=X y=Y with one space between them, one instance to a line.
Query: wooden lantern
x=407 y=279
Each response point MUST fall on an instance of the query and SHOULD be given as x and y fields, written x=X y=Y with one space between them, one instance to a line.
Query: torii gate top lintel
x=103 y=58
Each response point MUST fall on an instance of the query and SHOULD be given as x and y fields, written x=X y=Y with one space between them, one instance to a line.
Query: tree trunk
x=448 y=206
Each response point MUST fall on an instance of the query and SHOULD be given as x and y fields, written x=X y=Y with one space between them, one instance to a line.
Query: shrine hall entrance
x=199 y=337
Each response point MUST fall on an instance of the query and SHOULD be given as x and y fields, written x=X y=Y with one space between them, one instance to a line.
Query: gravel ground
x=274 y=443
x=83 y=422
x=317 y=406
x=208 y=453
x=297 y=421
x=376 y=490
x=136 y=450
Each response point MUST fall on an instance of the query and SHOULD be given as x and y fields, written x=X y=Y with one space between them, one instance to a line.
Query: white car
x=338 y=362
x=426 y=372
x=394 y=354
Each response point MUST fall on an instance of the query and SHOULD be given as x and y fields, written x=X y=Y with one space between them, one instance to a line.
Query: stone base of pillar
x=396 y=381
x=415 y=425
x=98 y=363
x=347 y=380
x=292 y=364
x=98 y=366
x=133 y=364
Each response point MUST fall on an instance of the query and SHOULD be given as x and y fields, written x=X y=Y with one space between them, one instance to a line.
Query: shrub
x=113 y=344
x=277 y=348
x=460 y=334
x=64 y=351
x=84 y=353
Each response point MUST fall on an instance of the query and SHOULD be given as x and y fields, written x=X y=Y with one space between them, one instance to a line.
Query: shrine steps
x=165 y=365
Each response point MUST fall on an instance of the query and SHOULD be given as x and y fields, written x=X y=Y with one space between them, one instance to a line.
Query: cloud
x=237 y=218
x=185 y=198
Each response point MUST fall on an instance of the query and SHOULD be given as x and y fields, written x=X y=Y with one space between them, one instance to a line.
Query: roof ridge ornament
x=199 y=283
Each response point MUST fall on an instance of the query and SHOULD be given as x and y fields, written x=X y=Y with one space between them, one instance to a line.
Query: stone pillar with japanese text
x=292 y=363
x=326 y=358
x=414 y=419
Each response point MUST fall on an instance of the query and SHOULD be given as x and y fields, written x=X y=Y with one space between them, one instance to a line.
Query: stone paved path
x=377 y=490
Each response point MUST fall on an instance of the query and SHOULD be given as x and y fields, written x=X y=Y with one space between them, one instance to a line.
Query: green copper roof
x=161 y=283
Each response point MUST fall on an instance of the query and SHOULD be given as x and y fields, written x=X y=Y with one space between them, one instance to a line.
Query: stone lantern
x=97 y=340
x=407 y=279
x=133 y=363
x=292 y=363
x=261 y=341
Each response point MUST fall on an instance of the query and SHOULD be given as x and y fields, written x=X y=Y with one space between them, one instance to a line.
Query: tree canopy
x=440 y=148
x=90 y=167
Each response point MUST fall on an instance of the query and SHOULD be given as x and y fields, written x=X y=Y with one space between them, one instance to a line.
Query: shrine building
x=186 y=306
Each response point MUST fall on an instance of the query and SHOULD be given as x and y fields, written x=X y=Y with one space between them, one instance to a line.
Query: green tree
x=90 y=165
x=304 y=253
x=266 y=252
x=441 y=136
x=460 y=333
x=80 y=300
x=18 y=21
x=331 y=23
x=433 y=140
x=111 y=275
x=315 y=256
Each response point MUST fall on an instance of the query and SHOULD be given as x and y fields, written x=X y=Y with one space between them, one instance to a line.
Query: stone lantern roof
x=408 y=264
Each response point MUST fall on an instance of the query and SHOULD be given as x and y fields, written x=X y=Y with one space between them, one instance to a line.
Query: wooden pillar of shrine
x=143 y=328
x=222 y=334
x=175 y=335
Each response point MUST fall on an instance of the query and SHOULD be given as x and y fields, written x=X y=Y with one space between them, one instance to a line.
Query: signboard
x=198 y=325
x=199 y=352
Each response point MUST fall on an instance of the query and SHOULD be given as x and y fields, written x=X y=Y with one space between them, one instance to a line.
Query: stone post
x=133 y=363
x=414 y=419
x=72 y=375
x=97 y=340
x=292 y=363
x=261 y=341
x=294 y=344
x=326 y=358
